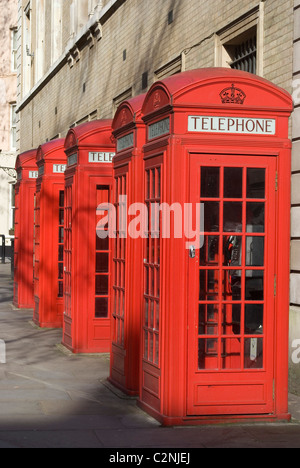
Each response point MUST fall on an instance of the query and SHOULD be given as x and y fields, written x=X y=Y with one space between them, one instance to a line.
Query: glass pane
x=255 y=251
x=61 y=216
x=102 y=263
x=232 y=285
x=209 y=252
x=101 y=285
x=208 y=319
x=61 y=235
x=231 y=319
x=60 y=271
x=209 y=285
x=253 y=353
x=232 y=250
x=158 y=172
x=102 y=244
x=146 y=313
x=60 y=253
x=156 y=357
x=254 y=285
x=255 y=217
x=231 y=353
x=207 y=353
x=61 y=198
x=60 y=289
x=254 y=319
x=101 y=307
x=211 y=216
x=233 y=216
x=146 y=345
x=210 y=182
x=157 y=317
x=233 y=182
x=256 y=183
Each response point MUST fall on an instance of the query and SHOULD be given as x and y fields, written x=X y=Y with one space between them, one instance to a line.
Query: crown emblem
x=232 y=95
x=156 y=100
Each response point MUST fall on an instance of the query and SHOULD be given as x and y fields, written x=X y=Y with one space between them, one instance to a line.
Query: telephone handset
x=232 y=257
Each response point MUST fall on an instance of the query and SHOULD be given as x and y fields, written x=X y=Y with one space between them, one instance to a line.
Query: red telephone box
x=49 y=235
x=24 y=213
x=216 y=297
x=129 y=132
x=88 y=183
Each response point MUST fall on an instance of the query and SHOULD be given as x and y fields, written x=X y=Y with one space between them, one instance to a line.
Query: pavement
x=50 y=398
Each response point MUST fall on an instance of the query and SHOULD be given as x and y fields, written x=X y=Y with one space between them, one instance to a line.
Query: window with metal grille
x=244 y=56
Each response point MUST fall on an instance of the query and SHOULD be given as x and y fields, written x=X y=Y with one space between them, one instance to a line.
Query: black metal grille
x=244 y=57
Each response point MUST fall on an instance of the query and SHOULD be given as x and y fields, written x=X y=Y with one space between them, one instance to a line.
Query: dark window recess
x=124 y=55
x=244 y=56
x=144 y=80
x=170 y=17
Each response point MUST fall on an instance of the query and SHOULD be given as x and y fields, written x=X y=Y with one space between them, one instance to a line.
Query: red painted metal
x=215 y=318
x=49 y=234
x=129 y=132
x=88 y=182
x=24 y=214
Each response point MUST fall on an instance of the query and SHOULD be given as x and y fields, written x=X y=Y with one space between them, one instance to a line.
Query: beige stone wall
x=295 y=213
x=141 y=28
x=8 y=90
x=8 y=80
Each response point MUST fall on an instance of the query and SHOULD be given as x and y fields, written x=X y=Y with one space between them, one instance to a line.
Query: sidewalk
x=50 y=398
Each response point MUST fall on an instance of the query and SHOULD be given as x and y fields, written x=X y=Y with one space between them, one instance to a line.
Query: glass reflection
x=233 y=182
x=255 y=251
x=210 y=182
x=255 y=217
x=254 y=285
x=209 y=252
x=233 y=216
x=256 y=182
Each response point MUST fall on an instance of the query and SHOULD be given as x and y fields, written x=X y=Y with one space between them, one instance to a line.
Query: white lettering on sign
x=101 y=157
x=125 y=142
x=159 y=128
x=59 y=168
x=242 y=125
x=33 y=174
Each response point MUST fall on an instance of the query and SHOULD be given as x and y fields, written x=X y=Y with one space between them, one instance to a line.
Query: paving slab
x=50 y=398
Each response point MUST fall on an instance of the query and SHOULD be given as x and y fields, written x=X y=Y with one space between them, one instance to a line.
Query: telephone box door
x=231 y=286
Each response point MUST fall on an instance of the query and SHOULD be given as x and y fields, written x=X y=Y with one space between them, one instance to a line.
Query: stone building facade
x=79 y=59
x=8 y=97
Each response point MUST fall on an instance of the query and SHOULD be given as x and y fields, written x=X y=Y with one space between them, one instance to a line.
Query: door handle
x=192 y=251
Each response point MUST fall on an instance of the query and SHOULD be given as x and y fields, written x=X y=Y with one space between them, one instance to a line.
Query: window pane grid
x=119 y=261
x=232 y=272
x=152 y=267
x=102 y=255
x=68 y=250
x=61 y=234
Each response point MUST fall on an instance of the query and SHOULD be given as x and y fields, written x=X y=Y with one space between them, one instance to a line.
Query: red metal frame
x=195 y=120
x=24 y=215
x=129 y=131
x=88 y=182
x=48 y=236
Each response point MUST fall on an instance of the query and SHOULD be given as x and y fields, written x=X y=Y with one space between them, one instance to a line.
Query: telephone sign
x=100 y=157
